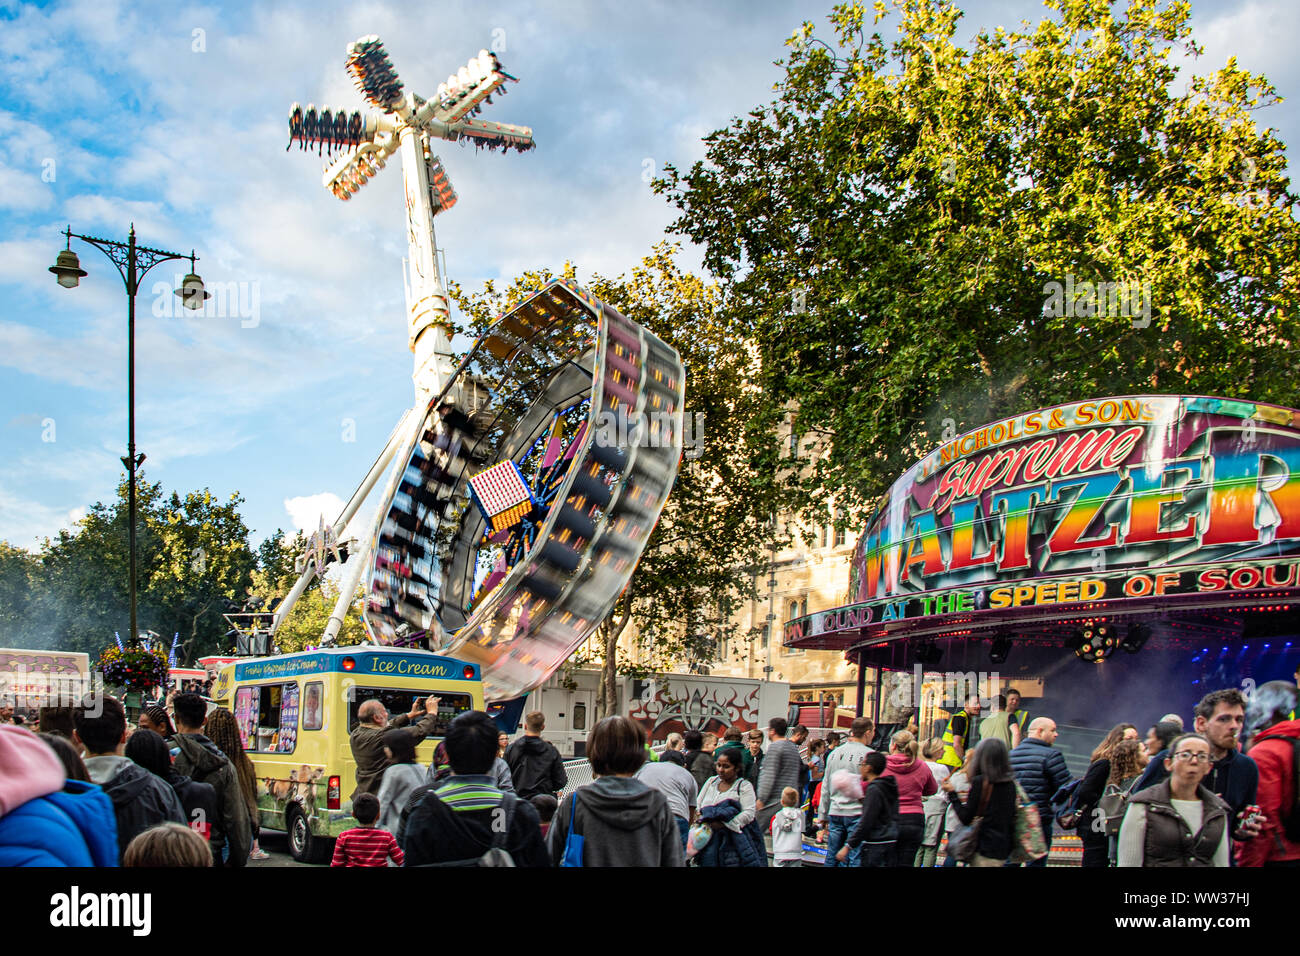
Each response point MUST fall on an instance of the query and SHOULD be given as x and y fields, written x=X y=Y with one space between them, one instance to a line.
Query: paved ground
x=277 y=845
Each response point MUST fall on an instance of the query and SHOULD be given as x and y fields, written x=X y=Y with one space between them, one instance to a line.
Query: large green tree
x=203 y=563
x=193 y=559
x=694 y=571
x=892 y=224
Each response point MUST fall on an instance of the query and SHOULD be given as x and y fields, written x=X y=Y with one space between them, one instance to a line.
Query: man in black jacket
x=458 y=820
x=535 y=764
x=140 y=800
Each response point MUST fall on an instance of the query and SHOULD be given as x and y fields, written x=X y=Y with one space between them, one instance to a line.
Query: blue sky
x=174 y=116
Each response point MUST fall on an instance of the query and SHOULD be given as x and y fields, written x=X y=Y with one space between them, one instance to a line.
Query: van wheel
x=304 y=846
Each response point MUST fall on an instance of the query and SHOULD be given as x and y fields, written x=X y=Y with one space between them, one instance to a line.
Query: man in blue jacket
x=1040 y=769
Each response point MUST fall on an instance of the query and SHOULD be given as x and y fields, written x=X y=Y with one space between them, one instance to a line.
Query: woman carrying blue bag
x=616 y=820
x=727 y=808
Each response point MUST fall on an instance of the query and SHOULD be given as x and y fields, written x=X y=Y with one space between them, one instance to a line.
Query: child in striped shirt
x=366 y=845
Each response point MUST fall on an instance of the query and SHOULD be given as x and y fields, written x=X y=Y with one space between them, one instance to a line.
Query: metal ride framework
x=531 y=472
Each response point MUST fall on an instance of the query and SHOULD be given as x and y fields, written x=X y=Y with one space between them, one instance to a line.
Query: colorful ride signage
x=1113 y=505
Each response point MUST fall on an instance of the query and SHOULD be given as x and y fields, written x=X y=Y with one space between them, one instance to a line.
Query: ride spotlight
x=1136 y=638
x=1000 y=649
x=1095 y=642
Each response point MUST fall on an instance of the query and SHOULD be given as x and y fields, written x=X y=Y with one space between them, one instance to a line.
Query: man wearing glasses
x=1233 y=776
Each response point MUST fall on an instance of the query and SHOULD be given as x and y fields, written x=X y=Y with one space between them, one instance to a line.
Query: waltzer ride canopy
x=1177 y=513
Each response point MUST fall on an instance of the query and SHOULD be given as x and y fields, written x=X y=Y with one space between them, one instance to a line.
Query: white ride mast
x=407 y=124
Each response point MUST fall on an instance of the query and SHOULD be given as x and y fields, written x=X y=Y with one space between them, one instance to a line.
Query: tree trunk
x=609 y=630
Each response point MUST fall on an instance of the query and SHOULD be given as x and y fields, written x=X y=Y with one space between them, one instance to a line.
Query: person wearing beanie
x=45 y=818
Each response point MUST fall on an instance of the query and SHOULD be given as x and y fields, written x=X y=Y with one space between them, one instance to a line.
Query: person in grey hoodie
x=622 y=822
x=838 y=813
x=780 y=769
x=140 y=800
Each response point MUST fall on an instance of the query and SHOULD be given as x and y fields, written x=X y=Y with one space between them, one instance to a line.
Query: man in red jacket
x=1274 y=749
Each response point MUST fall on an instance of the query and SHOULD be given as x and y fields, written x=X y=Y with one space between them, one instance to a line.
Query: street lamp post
x=133 y=262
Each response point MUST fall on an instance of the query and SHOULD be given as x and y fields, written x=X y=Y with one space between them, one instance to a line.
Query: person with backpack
x=617 y=820
x=993 y=799
x=202 y=760
x=465 y=819
x=1091 y=828
x=1127 y=762
x=1275 y=748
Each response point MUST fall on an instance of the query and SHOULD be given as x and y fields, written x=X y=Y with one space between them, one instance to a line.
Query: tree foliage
x=194 y=560
x=891 y=224
x=305 y=623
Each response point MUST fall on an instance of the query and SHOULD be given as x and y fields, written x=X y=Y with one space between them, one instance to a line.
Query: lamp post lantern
x=132 y=262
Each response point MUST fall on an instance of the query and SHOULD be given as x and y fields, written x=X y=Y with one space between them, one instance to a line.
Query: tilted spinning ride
x=531 y=472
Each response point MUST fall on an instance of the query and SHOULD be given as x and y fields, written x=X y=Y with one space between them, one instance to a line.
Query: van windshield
x=399 y=701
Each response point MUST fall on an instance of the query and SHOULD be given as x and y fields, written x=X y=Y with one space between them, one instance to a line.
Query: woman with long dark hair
x=402 y=775
x=223 y=730
x=993 y=797
x=726 y=803
x=1090 y=827
x=199 y=800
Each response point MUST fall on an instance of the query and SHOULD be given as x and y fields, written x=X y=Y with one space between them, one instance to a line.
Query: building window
x=840 y=535
x=794 y=611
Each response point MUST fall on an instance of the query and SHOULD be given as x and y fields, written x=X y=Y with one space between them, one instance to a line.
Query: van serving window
x=399 y=701
x=267 y=715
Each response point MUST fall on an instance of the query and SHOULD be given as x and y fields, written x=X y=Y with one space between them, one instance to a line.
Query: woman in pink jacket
x=915 y=783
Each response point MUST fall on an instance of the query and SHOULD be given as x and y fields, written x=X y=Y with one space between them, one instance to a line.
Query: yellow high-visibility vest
x=950 y=757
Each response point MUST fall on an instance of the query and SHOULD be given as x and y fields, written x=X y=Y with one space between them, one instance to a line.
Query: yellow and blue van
x=296 y=712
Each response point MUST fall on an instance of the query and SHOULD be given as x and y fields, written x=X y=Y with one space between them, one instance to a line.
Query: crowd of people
x=178 y=790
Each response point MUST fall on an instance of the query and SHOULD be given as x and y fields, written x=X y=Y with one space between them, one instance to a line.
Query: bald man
x=1040 y=769
x=368 y=738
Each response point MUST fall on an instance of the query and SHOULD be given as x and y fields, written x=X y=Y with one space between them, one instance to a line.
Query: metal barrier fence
x=580 y=774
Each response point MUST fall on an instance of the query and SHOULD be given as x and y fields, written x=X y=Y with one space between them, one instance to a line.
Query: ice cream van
x=296 y=711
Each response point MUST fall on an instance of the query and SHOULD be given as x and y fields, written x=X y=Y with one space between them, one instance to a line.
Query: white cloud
x=307 y=511
x=24 y=522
